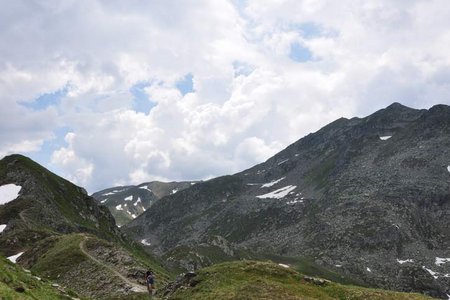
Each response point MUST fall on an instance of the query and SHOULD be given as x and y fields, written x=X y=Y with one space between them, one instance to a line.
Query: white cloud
x=250 y=98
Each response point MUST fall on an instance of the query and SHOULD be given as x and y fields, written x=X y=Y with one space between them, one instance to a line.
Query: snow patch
x=145 y=188
x=280 y=193
x=404 y=261
x=338 y=266
x=174 y=191
x=265 y=185
x=145 y=242
x=119 y=207
x=283 y=161
x=440 y=261
x=385 y=138
x=129 y=198
x=137 y=201
x=192 y=183
x=14 y=258
x=369 y=270
x=432 y=273
x=253 y=183
x=109 y=194
x=9 y=192
x=448 y=169
x=2 y=227
x=104 y=200
x=133 y=216
x=294 y=201
x=284 y=266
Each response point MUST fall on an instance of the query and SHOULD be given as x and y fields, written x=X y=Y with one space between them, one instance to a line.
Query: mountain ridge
x=127 y=202
x=359 y=194
x=53 y=228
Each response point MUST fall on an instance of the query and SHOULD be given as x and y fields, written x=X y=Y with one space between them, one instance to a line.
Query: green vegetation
x=120 y=216
x=68 y=198
x=266 y=280
x=15 y=283
x=93 y=267
x=64 y=255
x=308 y=267
x=51 y=215
x=137 y=252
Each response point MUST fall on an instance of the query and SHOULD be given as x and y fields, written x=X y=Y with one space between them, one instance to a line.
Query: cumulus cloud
x=264 y=74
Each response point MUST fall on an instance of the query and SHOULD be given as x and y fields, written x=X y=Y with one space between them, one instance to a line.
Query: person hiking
x=150 y=279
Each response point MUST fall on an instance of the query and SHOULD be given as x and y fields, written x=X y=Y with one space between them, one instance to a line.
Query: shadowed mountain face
x=46 y=204
x=368 y=198
x=127 y=202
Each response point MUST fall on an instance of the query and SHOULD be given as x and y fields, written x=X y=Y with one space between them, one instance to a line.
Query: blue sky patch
x=45 y=100
x=141 y=101
x=299 y=53
x=309 y=30
x=185 y=85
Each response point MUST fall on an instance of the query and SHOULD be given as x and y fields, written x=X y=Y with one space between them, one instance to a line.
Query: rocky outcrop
x=183 y=281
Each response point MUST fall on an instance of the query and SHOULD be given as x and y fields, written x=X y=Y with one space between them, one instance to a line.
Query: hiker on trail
x=150 y=279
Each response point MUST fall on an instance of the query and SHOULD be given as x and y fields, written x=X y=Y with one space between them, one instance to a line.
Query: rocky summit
x=366 y=198
x=127 y=202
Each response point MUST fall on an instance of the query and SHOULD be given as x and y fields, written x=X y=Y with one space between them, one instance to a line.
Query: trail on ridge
x=134 y=286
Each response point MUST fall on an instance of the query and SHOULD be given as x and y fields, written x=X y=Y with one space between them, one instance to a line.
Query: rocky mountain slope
x=53 y=228
x=127 y=202
x=367 y=198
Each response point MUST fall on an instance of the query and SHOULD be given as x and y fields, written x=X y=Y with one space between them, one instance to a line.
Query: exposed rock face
x=368 y=198
x=183 y=281
x=128 y=202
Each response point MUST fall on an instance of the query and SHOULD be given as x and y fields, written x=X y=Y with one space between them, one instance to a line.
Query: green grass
x=61 y=257
x=68 y=197
x=266 y=280
x=139 y=254
x=13 y=277
x=121 y=217
x=308 y=267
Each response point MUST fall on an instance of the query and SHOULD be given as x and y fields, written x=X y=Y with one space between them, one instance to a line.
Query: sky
x=108 y=93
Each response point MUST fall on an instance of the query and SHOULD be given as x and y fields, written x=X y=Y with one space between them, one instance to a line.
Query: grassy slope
x=13 y=277
x=64 y=193
x=59 y=254
x=64 y=262
x=309 y=267
x=264 y=280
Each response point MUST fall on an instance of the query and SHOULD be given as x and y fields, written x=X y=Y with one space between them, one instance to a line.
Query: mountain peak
x=398 y=106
